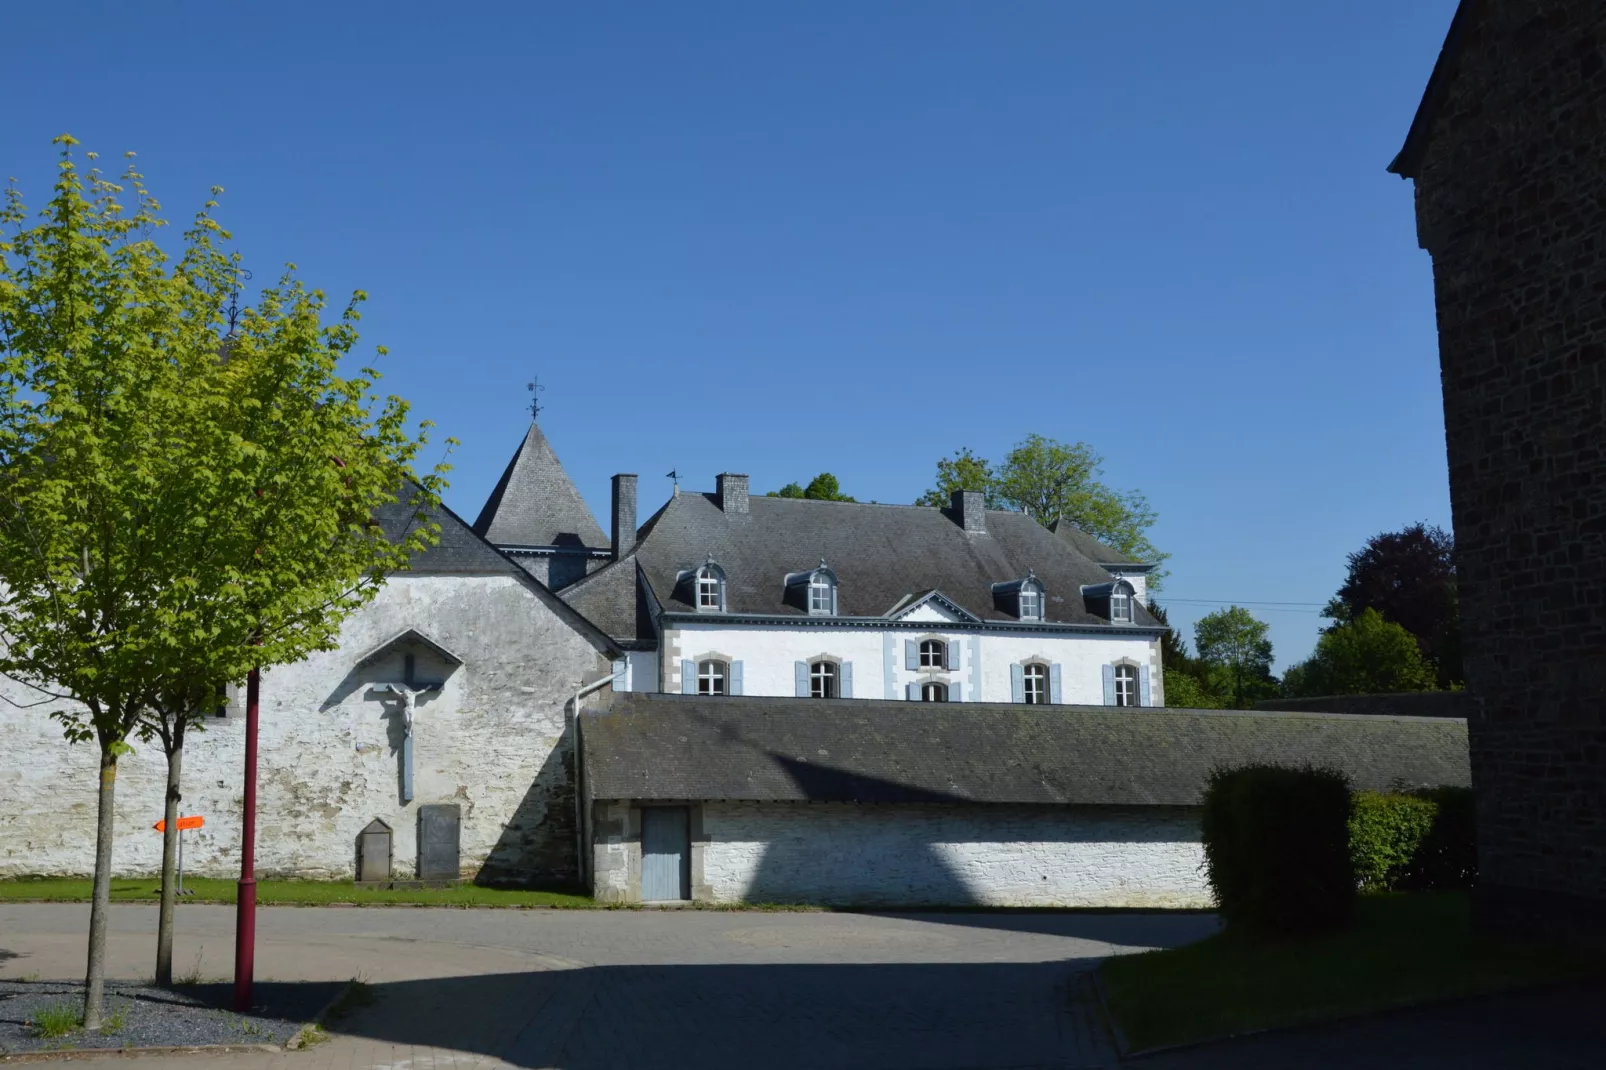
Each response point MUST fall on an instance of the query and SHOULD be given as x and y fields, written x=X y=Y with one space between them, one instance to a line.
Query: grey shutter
x=800 y=675
x=911 y=655
x=911 y=692
x=953 y=656
x=734 y=684
x=620 y=680
x=1143 y=687
x=1109 y=685
x=845 y=680
x=955 y=693
x=1054 y=694
x=688 y=678
x=1017 y=683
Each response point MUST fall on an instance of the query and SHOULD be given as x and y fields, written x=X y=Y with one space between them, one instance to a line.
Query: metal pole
x=245 y=922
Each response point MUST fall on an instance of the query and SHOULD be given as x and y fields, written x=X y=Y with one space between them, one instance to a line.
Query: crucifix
x=409 y=689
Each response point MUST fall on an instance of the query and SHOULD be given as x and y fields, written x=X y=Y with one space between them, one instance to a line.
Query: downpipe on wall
x=579 y=795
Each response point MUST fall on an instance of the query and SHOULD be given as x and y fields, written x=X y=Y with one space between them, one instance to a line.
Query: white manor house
x=742 y=698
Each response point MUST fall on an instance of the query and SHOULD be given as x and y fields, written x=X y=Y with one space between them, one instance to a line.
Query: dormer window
x=1114 y=601
x=1031 y=601
x=1121 y=604
x=710 y=588
x=814 y=591
x=1023 y=597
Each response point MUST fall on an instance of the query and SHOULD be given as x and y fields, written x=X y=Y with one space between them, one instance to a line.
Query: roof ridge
x=535 y=503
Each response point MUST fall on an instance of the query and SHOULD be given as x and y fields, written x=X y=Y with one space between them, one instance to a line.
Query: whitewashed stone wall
x=952 y=855
x=328 y=752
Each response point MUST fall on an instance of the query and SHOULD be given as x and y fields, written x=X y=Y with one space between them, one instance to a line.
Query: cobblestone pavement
x=596 y=990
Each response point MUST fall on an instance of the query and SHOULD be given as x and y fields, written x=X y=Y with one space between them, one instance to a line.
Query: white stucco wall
x=952 y=855
x=329 y=762
x=769 y=653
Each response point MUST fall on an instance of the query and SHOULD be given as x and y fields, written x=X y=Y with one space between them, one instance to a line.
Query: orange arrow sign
x=195 y=821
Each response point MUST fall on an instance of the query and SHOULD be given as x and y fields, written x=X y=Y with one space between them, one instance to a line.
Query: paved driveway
x=588 y=990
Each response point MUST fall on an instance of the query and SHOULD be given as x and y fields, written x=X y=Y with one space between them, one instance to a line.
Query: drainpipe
x=579 y=796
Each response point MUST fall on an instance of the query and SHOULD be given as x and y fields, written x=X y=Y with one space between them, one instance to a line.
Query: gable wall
x=1509 y=197
x=493 y=741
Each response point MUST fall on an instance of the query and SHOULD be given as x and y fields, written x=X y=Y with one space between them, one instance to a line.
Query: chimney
x=970 y=509
x=732 y=493
x=624 y=515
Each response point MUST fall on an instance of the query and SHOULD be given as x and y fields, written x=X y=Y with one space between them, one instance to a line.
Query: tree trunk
x=170 y=835
x=95 y=979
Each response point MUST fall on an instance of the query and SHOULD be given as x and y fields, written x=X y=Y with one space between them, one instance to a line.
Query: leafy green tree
x=1187 y=679
x=823 y=488
x=1052 y=480
x=175 y=509
x=1409 y=577
x=1364 y=656
x=1233 y=646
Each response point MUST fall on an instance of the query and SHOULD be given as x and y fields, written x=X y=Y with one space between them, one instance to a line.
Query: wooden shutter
x=953 y=656
x=688 y=678
x=800 y=673
x=911 y=692
x=733 y=685
x=911 y=655
x=1017 y=683
x=954 y=692
x=1109 y=685
x=1054 y=694
x=845 y=680
x=1143 y=687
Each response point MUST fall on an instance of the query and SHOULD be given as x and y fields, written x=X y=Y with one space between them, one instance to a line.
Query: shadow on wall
x=536 y=848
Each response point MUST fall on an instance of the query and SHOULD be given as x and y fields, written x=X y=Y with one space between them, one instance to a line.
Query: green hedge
x=1277 y=848
x=1413 y=841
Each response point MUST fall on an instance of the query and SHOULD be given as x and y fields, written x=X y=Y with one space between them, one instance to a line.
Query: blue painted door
x=665 y=853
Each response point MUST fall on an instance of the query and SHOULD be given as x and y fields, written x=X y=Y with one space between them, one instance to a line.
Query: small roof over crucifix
x=409 y=637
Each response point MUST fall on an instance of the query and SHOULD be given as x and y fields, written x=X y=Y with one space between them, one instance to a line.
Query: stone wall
x=1509 y=193
x=494 y=740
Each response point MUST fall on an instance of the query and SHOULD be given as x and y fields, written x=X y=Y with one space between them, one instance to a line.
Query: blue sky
x=783 y=239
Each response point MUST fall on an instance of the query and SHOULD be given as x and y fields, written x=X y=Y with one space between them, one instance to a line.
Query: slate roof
x=459 y=550
x=611 y=599
x=674 y=747
x=535 y=503
x=1089 y=547
x=1405 y=163
x=880 y=554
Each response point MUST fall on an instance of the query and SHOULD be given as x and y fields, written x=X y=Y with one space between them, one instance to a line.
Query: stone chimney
x=624 y=515
x=732 y=493
x=970 y=509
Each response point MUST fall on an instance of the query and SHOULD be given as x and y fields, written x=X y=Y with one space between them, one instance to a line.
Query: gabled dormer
x=1025 y=598
x=813 y=591
x=703 y=587
x=1115 y=601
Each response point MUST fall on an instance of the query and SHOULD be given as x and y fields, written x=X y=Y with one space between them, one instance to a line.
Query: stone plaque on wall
x=439 y=842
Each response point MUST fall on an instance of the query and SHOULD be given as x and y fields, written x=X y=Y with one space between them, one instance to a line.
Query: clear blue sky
x=853 y=237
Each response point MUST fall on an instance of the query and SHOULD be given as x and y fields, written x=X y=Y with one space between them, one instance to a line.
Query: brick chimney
x=970 y=510
x=732 y=493
x=624 y=515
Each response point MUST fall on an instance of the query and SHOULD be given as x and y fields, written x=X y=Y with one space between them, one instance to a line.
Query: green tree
x=1409 y=577
x=823 y=487
x=1052 y=480
x=1364 y=656
x=175 y=509
x=1187 y=679
x=1233 y=646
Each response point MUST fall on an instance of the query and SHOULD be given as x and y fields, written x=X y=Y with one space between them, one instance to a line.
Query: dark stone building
x=1508 y=154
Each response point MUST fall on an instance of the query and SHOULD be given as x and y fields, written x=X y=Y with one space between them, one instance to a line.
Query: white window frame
x=1035 y=595
x=1121 y=604
x=822 y=595
x=932 y=688
x=1126 y=685
x=713 y=672
x=709 y=585
x=825 y=679
x=941 y=654
x=1035 y=673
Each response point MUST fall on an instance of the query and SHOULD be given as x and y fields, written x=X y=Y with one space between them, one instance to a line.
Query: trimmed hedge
x=1413 y=841
x=1277 y=848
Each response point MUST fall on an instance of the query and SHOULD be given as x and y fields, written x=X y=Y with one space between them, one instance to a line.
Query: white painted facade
x=875 y=657
x=493 y=740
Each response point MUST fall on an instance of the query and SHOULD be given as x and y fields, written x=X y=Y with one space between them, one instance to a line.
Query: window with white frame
x=1121 y=604
x=711 y=677
x=822 y=680
x=822 y=594
x=710 y=588
x=1126 y=685
x=1031 y=602
x=1035 y=680
x=933 y=654
x=933 y=692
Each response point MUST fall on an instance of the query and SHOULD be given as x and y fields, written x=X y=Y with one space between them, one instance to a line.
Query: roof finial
x=535 y=388
x=676 y=477
x=822 y=562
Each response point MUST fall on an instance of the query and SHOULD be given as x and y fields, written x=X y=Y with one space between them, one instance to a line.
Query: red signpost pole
x=245 y=922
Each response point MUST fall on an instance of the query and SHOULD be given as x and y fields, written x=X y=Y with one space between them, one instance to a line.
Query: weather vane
x=233 y=311
x=535 y=388
x=676 y=477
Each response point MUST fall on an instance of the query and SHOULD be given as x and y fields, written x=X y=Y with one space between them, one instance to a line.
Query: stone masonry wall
x=494 y=741
x=1511 y=203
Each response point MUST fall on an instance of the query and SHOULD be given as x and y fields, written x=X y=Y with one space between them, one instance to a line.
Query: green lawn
x=308 y=893
x=1402 y=949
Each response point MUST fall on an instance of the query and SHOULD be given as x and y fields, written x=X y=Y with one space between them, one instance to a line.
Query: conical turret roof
x=536 y=504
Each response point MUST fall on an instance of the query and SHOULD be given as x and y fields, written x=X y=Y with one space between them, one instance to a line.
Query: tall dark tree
x=1408 y=576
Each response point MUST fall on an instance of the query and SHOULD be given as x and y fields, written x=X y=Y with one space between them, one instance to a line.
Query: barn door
x=665 y=853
